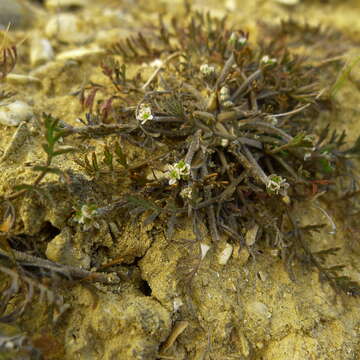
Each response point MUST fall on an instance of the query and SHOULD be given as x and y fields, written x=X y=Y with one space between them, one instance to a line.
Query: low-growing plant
x=228 y=132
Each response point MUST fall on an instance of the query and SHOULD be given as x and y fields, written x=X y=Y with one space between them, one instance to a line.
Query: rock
x=225 y=254
x=20 y=79
x=15 y=148
x=62 y=249
x=65 y=4
x=14 y=113
x=14 y=13
x=204 y=249
x=117 y=327
x=80 y=53
x=68 y=28
x=41 y=51
x=288 y=2
x=258 y=310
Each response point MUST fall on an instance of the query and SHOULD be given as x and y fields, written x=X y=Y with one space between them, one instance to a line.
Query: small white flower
x=307 y=156
x=186 y=193
x=228 y=104
x=242 y=40
x=178 y=171
x=224 y=142
x=237 y=39
x=272 y=120
x=267 y=60
x=277 y=185
x=144 y=114
x=207 y=70
x=85 y=216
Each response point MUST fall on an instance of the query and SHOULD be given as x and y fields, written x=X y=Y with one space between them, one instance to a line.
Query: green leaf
x=326 y=166
x=121 y=159
x=108 y=158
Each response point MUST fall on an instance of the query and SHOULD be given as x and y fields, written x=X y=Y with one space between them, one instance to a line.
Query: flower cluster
x=85 y=215
x=237 y=40
x=267 y=60
x=277 y=184
x=207 y=70
x=178 y=171
x=144 y=114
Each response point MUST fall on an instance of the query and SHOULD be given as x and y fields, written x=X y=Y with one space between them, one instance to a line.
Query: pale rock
x=204 y=249
x=65 y=4
x=80 y=53
x=225 y=254
x=258 y=310
x=21 y=79
x=15 y=14
x=14 y=113
x=288 y=2
x=68 y=28
x=41 y=51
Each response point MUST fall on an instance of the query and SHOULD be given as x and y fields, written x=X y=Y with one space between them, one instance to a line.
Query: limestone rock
x=13 y=12
x=41 y=51
x=65 y=4
x=14 y=113
x=68 y=28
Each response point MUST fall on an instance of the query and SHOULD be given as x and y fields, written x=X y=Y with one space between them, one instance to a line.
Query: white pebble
x=80 y=53
x=68 y=28
x=287 y=2
x=63 y=4
x=41 y=51
x=225 y=254
x=14 y=113
x=204 y=249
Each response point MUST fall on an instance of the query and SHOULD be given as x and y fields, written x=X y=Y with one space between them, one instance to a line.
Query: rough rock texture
x=248 y=308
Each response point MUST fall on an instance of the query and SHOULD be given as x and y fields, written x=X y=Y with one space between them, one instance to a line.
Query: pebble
x=41 y=51
x=80 y=53
x=287 y=2
x=14 y=113
x=65 y=4
x=68 y=28
x=13 y=12
x=225 y=254
x=204 y=250
x=20 y=79
x=259 y=310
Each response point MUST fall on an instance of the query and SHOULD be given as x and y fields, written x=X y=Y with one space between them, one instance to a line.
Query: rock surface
x=241 y=304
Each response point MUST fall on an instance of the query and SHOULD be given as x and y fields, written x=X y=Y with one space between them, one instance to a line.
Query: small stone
x=20 y=79
x=15 y=14
x=259 y=310
x=65 y=4
x=14 y=113
x=204 y=249
x=225 y=254
x=288 y=2
x=68 y=28
x=41 y=51
x=80 y=53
